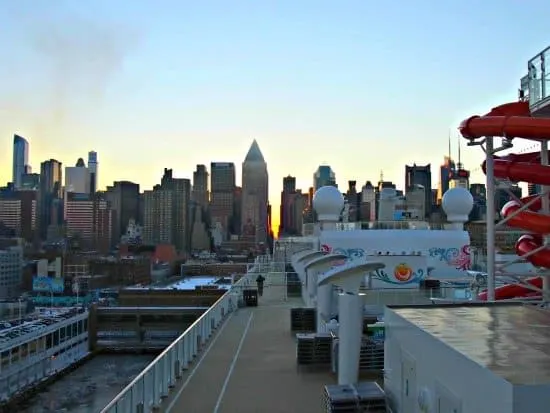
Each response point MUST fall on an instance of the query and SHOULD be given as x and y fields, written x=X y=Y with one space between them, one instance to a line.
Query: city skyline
x=336 y=86
x=254 y=151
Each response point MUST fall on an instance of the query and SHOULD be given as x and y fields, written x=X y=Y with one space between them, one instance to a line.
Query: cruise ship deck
x=249 y=365
x=242 y=359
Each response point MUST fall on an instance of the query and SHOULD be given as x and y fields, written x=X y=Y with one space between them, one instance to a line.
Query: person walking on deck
x=260 y=282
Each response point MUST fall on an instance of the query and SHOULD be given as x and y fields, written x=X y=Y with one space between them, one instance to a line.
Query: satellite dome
x=457 y=204
x=328 y=202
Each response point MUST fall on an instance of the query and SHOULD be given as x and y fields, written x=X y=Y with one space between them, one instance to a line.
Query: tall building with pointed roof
x=255 y=204
x=254 y=153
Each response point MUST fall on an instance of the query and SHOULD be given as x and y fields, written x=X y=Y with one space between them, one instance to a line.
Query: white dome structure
x=328 y=202
x=457 y=204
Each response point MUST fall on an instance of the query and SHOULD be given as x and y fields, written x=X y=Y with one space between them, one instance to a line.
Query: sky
x=364 y=86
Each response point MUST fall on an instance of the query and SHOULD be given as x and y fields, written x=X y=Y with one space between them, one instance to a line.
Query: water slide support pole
x=491 y=215
x=545 y=210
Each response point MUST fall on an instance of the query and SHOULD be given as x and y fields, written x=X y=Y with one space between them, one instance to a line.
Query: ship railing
x=538 y=80
x=146 y=392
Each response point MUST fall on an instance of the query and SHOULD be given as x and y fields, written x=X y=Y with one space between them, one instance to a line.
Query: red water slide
x=513 y=120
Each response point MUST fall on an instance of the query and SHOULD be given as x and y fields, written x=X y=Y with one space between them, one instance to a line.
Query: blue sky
x=361 y=85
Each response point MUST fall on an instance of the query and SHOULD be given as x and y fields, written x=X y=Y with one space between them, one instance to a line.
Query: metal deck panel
x=513 y=341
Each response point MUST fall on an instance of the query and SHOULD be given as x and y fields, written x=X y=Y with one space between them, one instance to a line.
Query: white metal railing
x=147 y=390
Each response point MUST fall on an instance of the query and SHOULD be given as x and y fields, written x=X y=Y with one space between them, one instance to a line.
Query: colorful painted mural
x=351 y=253
x=403 y=272
x=397 y=274
x=411 y=277
x=455 y=257
x=458 y=258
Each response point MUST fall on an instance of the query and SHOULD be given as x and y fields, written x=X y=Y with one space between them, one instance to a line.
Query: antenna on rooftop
x=381 y=175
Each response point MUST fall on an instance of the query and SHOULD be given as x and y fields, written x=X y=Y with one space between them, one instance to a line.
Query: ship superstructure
x=34 y=350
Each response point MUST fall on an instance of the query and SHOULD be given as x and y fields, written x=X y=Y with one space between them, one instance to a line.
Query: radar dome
x=328 y=202
x=457 y=204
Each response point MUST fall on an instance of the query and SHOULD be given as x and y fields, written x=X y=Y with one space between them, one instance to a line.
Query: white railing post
x=186 y=351
x=155 y=385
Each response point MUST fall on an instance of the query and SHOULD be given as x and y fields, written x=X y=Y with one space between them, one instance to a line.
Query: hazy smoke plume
x=74 y=59
x=81 y=59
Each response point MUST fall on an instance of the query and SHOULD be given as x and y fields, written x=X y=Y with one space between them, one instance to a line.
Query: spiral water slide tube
x=513 y=120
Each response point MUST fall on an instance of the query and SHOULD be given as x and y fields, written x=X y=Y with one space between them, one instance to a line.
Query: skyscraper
x=324 y=176
x=51 y=178
x=420 y=175
x=123 y=197
x=254 y=215
x=166 y=212
x=89 y=219
x=92 y=167
x=446 y=171
x=222 y=196
x=77 y=178
x=20 y=160
x=181 y=196
x=289 y=184
x=200 y=186
x=288 y=196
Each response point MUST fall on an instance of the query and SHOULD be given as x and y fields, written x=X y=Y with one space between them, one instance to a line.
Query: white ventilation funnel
x=299 y=259
x=350 y=308
x=321 y=297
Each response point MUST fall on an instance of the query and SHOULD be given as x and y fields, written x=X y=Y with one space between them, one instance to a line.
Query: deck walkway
x=249 y=366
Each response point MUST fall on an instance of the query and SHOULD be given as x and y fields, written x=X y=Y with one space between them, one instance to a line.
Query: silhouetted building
x=293 y=204
x=222 y=196
x=200 y=193
x=420 y=175
x=20 y=165
x=124 y=200
x=324 y=176
x=255 y=200
x=93 y=166
x=50 y=205
x=445 y=173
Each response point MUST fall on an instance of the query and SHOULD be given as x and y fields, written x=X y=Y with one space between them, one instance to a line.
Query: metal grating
x=313 y=349
x=303 y=319
x=371 y=358
x=362 y=397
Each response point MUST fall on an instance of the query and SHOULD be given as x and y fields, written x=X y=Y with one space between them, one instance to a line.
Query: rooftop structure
x=435 y=350
x=189 y=283
x=48 y=317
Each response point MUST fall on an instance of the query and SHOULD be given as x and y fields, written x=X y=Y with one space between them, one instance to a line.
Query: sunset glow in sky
x=360 y=85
